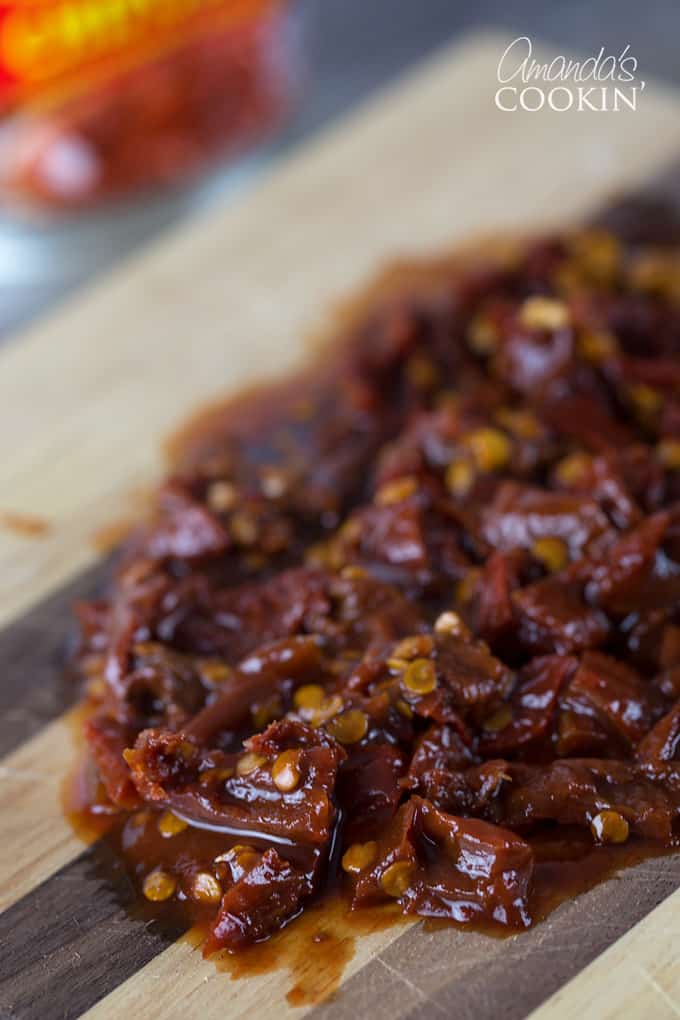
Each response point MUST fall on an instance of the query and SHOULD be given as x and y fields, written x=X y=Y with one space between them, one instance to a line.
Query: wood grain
x=74 y=938
x=228 y=300
x=638 y=976
x=36 y=840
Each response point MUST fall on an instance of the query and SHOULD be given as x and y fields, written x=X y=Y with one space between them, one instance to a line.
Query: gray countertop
x=354 y=47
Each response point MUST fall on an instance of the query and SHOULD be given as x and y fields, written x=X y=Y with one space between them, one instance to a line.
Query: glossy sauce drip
x=315 y=947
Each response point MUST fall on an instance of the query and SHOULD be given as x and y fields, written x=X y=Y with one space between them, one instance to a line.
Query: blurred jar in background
x=111 y=99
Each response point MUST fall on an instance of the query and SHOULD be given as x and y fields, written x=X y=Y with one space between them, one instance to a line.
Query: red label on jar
x=49 y=48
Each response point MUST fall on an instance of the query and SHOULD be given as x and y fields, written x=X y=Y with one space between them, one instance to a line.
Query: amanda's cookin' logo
x=601 y=82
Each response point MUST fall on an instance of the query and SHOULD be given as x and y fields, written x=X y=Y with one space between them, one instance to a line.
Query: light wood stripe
x=638 y=977
x=36 y=838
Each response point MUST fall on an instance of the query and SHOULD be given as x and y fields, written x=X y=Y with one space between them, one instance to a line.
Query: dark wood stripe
x=36 y=686
x=74 y=939
x=448 y=973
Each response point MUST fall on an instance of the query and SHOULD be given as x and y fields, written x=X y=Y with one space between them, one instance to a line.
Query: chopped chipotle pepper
x=395 y=622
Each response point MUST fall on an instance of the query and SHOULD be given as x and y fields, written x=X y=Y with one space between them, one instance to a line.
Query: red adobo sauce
x=408 y=626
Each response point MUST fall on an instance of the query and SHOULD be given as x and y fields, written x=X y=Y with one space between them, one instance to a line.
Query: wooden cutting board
x=86 y=400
